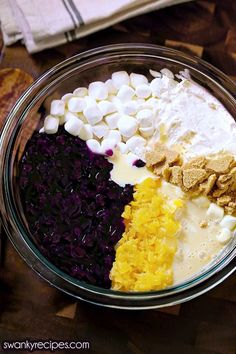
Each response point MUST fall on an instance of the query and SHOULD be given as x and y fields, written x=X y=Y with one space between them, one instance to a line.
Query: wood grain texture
x=31 y=308
x=13 y=82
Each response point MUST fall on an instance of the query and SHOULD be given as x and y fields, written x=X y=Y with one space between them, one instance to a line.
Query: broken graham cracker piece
x=166 y=172
x=172 y=157
x=231 y=208
x=176 y=176
x=193 y=176
x=219 y=192
x=220 y=165
x=161 y=154
x=207 y=186
x=197 y=162
x=223 y=185
x=203 y=224
x=224 y=200
x=224 y=178
x=158 y=168
x=156 y=155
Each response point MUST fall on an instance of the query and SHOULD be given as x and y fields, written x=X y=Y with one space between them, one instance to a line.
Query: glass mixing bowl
x=25 y=117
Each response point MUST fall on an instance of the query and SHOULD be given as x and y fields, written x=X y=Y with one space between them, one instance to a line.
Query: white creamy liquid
x=197 y=246
x=124 y=173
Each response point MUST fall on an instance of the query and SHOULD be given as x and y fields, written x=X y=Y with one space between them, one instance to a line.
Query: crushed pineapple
x=145 y=253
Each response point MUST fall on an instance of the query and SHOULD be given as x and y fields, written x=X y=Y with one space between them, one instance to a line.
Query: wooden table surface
x=29 y=307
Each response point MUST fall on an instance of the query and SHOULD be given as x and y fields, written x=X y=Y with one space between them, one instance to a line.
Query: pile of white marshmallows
x=227 y=222
x=118 y=114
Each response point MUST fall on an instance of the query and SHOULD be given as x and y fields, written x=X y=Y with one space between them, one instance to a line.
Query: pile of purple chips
x=72 y=207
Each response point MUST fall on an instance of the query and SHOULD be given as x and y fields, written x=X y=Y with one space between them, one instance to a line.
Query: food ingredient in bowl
x=72 y=207
x=213 y=176
x=145 y=253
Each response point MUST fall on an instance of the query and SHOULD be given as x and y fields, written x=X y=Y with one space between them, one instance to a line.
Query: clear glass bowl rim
x=32 y=255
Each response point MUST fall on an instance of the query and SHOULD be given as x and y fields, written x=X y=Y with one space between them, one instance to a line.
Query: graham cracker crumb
x=161 y=153
x=203 y=224
x=176 y=176
x=193 y=176
x=222 y=201
x=207 y=186
x=224 y=178
x=159 y=168
x=219 y=165
x=166 y=172
x=197 y=162
x=218 y=192
x=156 y=155
x=172 y=157
x=224 y=185
x=232 y=174
x=230 y=210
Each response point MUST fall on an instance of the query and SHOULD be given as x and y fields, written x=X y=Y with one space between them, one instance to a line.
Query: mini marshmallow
x=214 y=212
x=127 y=126
x=122 y=147
x=151 y=103
x=131 y=158
x=224 y=236
x=155 y=73
x=51 y=124
x=137 y=79
x=120 y=78
x=93 y=114
x=69 y=116
x=145 y=118
x=66 y=97
x=125 y=93
x=81 y=92
x=107 y=144
x=168 y=83
x=76 y=104
x=106 y=107
x=112 y=120
x=86 y=132
x=167 y=73
x=201 y=202
x=115 y=135
x=146 y=132
x=228 y=222
x=41 y=130
x=89 y=101
x=143 y=91
x=118 y=104
x=156 y=86
x=135 y=143
x=57 y=108
x=110 y=87
x=130 y=107
x=82 y=117
x=98 y=90
x=140 y=102
x=94 y=146
x=73 y=126
x=100 y=130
